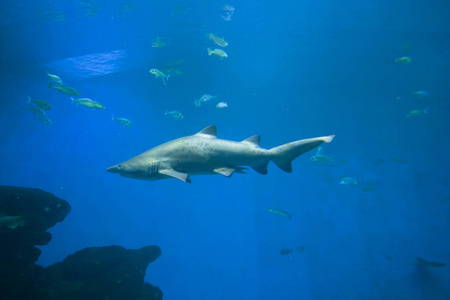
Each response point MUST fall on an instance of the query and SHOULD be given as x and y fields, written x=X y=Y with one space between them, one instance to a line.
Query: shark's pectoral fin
x=178 y=175
x=262 y=168
x=225 y=171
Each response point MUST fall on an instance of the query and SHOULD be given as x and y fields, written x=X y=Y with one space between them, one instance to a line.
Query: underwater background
x=374 y=73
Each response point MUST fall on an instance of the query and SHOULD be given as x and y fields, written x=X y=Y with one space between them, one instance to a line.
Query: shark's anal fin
x=178 y=175
x=261 y=169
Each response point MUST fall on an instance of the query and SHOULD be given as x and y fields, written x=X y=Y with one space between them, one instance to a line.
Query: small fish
x=55 y=78
x=349 y=181
x=174 y=114
x=40 y=103
x=221 y=105
x=158 y=44
x=125 y=8
x=421 y=94
x=64 y=89
x=227 y=16
x=159 y=74
x=403 y=60
x=279 y=212
x=204 y=98
x=429 y=264
x=229 y=11
x=172 y=71
x=218 y=40
x=300 y=249
x=37 y=111
x=88 y=103
x=218 y=52
x=44 y=120
x=285 y=251
x=173 y=63
x=122 y=121
x=11 y=222
x=417 y=112
x=227 y=7
x=319 y=158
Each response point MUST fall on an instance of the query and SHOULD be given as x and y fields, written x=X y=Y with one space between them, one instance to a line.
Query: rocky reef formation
x=111 y=272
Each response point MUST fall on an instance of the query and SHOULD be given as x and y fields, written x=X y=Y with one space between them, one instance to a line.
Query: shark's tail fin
x=284 y=155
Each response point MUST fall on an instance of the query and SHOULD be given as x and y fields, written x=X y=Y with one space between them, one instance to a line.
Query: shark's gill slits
x=153 y=168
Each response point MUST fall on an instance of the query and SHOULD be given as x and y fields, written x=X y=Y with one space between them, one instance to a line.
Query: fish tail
x=112 y=119
x=73 y=100
x=426 y=111
x=290 y=216
x=284 y=155
x=29 y=99
x=209 y=51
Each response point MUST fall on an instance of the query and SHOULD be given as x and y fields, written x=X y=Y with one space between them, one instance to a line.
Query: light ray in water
x=88 y=66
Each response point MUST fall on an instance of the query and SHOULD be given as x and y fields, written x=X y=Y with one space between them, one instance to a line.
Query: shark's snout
x=114 y=169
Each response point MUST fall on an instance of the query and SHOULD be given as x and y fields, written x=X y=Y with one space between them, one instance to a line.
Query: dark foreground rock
x=25 y=216
x=101 y=273
x=111 y=272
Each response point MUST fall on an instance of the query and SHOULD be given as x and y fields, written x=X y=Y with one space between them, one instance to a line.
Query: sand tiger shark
x=204 y=154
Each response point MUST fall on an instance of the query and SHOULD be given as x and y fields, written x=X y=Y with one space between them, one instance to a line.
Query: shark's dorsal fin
x=178 y=175
x=254 y=140
x=209 y=131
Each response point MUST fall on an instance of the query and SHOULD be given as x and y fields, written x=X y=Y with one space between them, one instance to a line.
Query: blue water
x=295 y=69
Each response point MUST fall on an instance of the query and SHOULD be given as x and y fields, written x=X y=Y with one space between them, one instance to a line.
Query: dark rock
x=102 y=273
x=93 y=273
x=25 y=215
x=150 y=292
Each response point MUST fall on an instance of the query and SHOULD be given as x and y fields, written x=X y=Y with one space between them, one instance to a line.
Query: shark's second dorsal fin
x=254 y=140
x=209 y=131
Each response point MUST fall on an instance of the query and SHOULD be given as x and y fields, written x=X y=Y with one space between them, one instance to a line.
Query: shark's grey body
x=204 y=154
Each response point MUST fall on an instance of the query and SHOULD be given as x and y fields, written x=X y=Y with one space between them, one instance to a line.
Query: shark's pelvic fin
x=254 y=140
x=209 y=131
x=225 y=171
x=284 y=155
x=178 y=175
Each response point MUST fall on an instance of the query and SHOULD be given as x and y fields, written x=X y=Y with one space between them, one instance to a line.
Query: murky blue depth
x=375 y=74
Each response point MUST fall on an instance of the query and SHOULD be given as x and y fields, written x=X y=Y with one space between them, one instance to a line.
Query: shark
x=204 y=154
